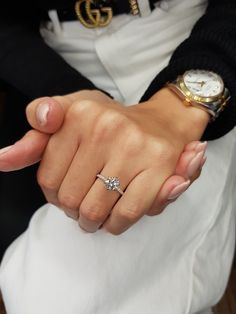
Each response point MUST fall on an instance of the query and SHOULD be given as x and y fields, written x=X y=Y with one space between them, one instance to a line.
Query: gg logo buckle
x=94 y=17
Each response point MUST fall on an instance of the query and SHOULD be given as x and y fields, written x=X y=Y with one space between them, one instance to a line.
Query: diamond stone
x=112 y=183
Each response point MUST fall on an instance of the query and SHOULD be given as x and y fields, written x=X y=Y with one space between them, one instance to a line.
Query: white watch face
x=203 y=83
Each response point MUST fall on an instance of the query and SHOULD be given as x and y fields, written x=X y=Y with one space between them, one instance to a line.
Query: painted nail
x=201 y=147
x=178 y=190
x=195 y=164
x=71 y=214
x=192 y=145
x=88 y=225
x=42 y=113
x=5 y=149
x=203 y=161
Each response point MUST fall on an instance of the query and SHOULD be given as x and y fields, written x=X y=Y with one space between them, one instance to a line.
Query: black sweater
x=32 y=67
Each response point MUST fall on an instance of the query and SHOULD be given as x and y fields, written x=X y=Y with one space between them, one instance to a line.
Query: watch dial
x=203 y=83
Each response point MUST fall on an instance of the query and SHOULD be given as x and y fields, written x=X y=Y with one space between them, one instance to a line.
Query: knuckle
x=132 y=214
x=93 y=213
x=165 y=151
x=46 y=182
x=79 y=109
x=68 y=201
x=134 y=141
x=111 y=120
x=107 y=123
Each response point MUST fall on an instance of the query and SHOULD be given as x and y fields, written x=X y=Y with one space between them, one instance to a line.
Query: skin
x=143 y=145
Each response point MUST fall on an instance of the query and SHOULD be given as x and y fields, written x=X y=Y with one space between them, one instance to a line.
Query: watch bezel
x=194 y=97
x=213 y=105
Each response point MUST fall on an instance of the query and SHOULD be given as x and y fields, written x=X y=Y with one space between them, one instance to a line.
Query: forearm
x=211 y=46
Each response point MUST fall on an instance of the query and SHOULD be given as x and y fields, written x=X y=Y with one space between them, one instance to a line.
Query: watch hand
x=201 y=83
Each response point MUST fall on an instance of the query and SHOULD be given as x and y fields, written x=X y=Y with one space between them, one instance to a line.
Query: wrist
x=187 y=120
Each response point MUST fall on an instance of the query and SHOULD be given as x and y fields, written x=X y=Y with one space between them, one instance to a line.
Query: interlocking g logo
x=93 y=17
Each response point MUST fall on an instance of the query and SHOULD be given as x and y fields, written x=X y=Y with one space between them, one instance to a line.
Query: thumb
x=27 y=151
x=46 y=114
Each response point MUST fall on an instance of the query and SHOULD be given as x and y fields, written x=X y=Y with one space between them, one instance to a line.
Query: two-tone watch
x=202 y=89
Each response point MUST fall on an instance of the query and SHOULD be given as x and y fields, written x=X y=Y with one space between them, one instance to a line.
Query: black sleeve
x=210 y=46
x=27 y=63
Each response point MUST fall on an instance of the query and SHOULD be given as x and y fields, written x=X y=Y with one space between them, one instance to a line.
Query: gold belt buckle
x=90 y=17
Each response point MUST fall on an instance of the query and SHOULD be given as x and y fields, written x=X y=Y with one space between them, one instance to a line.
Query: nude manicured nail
x=201 y=147
x=178 y=190
x=87 y=225
x=42 y=113
x=5 y=149
x=203 y=161
x=195 y=164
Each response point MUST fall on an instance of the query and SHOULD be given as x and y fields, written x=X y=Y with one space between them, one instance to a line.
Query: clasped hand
x=87 y=133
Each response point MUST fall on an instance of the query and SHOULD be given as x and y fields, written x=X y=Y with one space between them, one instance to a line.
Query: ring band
x=111 y=183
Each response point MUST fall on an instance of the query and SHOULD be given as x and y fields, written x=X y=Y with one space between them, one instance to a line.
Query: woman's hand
x=46 y=116
x=135 y=144
x=132 y=143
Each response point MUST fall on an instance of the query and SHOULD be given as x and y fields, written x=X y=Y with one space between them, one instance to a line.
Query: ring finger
x=135 y=203
x=99 y=201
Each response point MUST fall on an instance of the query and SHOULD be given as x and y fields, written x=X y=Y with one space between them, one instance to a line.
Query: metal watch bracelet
x=213 y=108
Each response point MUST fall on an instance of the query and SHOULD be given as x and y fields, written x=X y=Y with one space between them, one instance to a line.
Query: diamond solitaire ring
x=111 y=183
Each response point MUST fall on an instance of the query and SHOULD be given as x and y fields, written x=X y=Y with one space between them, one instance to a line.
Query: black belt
x=95 y=13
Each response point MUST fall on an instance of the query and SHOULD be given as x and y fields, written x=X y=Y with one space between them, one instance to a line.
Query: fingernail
x=201 y=147
x=42 y=113
x=88 y=225
x=203 y=161
x=178 y=190
x=5 y=149
x=195 y=164
x=71 y=213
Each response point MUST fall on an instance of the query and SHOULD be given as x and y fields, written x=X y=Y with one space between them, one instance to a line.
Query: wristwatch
x=202 y=89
